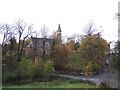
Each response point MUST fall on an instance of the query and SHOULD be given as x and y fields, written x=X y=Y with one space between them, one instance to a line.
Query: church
x=42 y=46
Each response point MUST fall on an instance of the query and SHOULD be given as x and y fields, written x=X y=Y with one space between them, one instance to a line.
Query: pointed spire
x=59 y=28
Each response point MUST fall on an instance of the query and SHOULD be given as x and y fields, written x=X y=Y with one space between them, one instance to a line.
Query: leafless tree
x=53 y=35
x=7 y=32
x=90 y=28
x=24 y=31
x=44 y=31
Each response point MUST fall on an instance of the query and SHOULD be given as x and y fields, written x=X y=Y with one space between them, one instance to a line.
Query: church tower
x=59 y=40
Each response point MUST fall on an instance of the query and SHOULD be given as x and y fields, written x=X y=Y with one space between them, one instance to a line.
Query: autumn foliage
x=61 y=55
x=93 y=48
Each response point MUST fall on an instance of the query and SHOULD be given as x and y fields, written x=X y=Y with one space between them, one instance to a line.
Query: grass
x=53 y=84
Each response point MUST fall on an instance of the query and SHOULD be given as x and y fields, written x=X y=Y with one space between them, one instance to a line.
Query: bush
x=22 y=67
x=30 y=69
x=96 y=67
x=48 y=67
x=104 y=85
x=75 y=62
x=26 y=67
x=9 y=76
x=115 y=63
x=92 y=68
x=75 y=81
x=38 y=69
x=88 y=68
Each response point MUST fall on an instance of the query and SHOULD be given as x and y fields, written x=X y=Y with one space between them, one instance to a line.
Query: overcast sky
x=72 y=15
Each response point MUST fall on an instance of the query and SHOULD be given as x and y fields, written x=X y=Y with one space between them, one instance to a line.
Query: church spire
x=58 y=35
x=59 y=28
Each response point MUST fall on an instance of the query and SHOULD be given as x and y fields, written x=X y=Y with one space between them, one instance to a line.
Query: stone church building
x=42 y=46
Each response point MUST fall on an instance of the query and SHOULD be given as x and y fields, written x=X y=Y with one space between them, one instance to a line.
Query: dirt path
x=105 y=76
x=97 y=79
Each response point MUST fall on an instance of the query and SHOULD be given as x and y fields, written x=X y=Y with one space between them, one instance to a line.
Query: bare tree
x=8 y=32
x=53 y=35
x=44 y=31
x=89 y=28
x=24 y=31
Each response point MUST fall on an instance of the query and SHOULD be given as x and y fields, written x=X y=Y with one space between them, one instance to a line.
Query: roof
x=39 y=41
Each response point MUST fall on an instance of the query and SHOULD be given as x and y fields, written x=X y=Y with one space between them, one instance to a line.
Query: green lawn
x=54 y=84
x=51 y=85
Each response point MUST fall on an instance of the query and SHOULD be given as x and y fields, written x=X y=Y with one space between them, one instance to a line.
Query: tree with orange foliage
x=93 y=47
x=60 y=55
x=70 y=45
x=92 y=50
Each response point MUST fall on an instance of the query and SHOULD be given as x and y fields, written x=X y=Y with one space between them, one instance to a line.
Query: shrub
x=75 y=62
x=22 y=67
x=9 y=76
x=89 y=70
x=40 y=65
x=75 y=81
x=115 y=63
x=26 y=67
x=30 y=69
x=96 y=67
x=104 y=85
x=38 y=69
x=48 y=67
